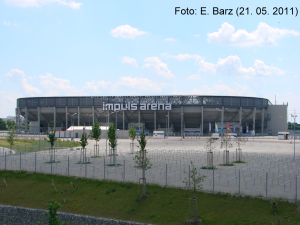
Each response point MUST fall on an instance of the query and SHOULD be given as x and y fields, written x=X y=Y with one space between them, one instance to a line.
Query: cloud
x=265 y=70
x=194 y=77
x=38 y=3
x=181 y=57
x=205 y=66
x=143 y=84
x=58 y=86
x=232 y=66
x=126 y=32
x=220 y=89
x=264 y=35
x=160 y=68
x=170 y=39
x=95 y=86
x=129 y=60
x=6 y=23
x=8 y=103
x=18 y=77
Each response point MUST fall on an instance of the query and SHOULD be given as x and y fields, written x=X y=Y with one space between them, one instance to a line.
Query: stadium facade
x=175 y=114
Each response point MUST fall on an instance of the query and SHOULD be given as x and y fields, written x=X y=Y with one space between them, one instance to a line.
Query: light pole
x=72 y=118
x=167 y=125
x=89 y=118
x=181 y=124
x=294 y=116
x=117 y=127
x=107 y=119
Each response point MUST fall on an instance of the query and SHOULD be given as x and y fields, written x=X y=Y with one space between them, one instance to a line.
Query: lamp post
x=72 y=119
x=294 y=116
x=89 y=118
x=107 y=122
x=167 y=125
x=117 y=127
x=181 y=124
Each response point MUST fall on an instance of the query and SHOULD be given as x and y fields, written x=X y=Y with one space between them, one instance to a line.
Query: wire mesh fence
x=260 y=174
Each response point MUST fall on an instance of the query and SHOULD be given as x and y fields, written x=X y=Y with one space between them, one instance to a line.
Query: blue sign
x=297 y=132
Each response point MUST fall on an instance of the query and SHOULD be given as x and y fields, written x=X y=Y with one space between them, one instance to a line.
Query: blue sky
x=67 y=48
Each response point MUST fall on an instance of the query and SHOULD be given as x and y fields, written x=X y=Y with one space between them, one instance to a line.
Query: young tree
x=83 y=142
x=11 y=138
x=2 y=125
x=226 y=140
x=53 y=206
x=11 y=124
x=95 y=134
x=208 y=145
x=112 y=138
x=210 y=148
x=132 y=135
x=194 y=181
x=51 y=139
x=141 y=158
x=240 y=140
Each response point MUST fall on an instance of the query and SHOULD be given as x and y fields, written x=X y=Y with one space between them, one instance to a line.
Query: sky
x=115 y=48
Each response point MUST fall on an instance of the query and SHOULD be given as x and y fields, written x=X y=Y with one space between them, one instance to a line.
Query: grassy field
x=119 y=201
x=31 y=145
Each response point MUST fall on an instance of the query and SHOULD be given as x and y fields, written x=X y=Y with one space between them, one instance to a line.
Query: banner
x=234 y=128
x=216 y=128
x=209 y=127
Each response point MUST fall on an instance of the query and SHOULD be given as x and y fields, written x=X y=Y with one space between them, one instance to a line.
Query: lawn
x=118 y=200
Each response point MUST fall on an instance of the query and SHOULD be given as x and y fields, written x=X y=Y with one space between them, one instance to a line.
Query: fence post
x=51 y=163
x=104 y=167
x=296 y=188
x=189 y=175
x=266 y=184
x=35 y=162
x=213 y=179
x=239 y=182
x=124 y=170
x=20 y=161
x=68 y=165
x=25 y=149
x=85 y=169
x=166 y=174
x=5 y=161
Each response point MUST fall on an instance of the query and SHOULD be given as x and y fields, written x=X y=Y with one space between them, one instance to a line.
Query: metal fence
x=267 y=175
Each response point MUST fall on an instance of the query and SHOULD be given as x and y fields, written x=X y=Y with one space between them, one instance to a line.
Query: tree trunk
x=114 y=156
x=195 y=207
x=144 y=183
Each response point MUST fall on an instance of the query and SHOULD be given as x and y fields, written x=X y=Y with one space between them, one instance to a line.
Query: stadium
x=176 y=115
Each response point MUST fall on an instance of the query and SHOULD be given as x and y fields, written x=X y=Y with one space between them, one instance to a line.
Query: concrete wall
x=21 y=215
x=278 y=120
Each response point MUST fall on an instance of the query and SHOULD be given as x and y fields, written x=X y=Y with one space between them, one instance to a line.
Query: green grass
x=31 y=145
x=96 y=156
x=112 y=164
x=208 y=168
x=230 y=164
x=119 y=200
x=84 y=162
